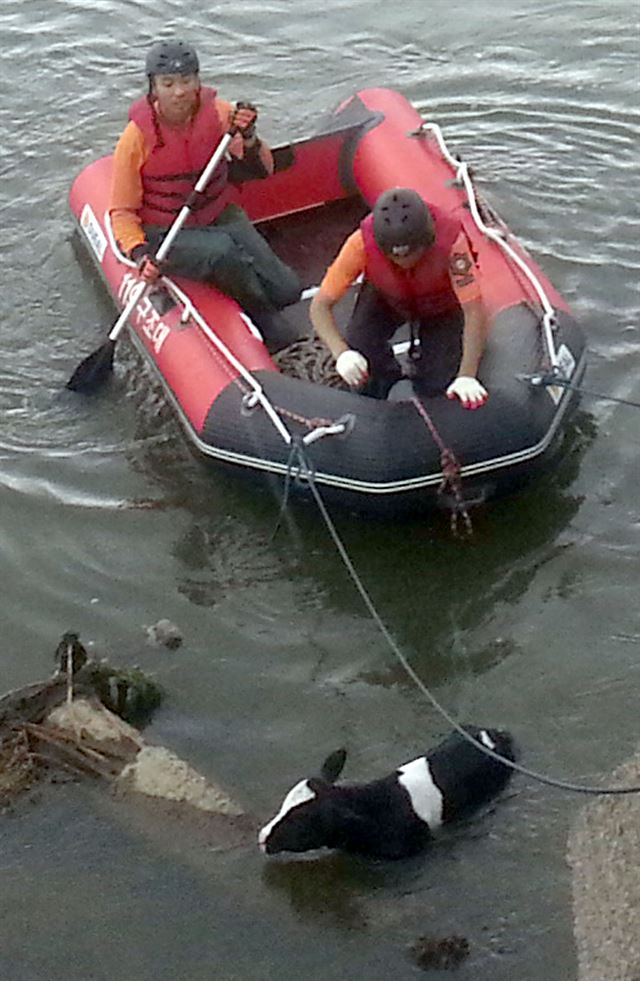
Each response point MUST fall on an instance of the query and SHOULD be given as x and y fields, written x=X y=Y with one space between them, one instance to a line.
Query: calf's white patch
x=486 y=739
x=300 y=794
x=426 y=798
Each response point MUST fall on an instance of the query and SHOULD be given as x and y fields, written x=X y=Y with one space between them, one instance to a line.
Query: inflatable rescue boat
x=243 y=407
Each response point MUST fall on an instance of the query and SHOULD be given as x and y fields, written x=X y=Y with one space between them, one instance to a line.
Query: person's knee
x=281 y=285
x=221 y=249
x=229 y=266
x=289 y=288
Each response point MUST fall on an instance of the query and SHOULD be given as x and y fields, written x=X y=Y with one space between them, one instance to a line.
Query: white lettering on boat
x=146 y=315
x=91 y=228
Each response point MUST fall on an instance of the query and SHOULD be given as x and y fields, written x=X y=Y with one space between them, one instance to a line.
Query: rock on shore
x=604 y=855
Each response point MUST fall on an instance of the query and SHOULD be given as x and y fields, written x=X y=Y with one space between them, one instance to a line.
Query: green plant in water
x=127 y=692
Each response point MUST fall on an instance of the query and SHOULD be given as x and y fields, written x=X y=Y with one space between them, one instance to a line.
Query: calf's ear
x=333 y=765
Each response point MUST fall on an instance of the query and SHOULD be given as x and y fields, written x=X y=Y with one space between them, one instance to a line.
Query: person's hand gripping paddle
x=96 y=368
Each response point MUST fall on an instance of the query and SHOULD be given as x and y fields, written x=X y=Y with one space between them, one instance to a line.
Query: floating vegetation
x=72 y=722
x=127 y=692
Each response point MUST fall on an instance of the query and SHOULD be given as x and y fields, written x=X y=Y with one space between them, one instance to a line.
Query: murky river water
x=107 y=523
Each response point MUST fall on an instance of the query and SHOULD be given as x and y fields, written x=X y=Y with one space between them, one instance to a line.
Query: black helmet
x=402 y=222
x=172 y=58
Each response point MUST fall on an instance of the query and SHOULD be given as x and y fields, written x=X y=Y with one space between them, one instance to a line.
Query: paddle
x=95 y=369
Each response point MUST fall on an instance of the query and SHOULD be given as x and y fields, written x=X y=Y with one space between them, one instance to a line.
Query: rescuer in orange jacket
x=417 y=267
x=172 y=133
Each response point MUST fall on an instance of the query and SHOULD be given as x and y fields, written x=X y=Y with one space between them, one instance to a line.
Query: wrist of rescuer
x=243 y=119
x=139 y=252
x=471 y=393
x=352 y=367
x=145 y=261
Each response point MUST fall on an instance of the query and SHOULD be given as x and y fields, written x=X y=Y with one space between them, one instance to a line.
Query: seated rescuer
x=417 y=266
x=171 y=135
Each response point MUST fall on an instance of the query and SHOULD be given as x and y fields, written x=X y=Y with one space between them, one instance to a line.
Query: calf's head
x=304 y=821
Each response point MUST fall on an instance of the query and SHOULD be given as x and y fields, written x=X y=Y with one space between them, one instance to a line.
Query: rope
x=451 y=479
x=305 y=469
x=499 y=237
x=296 y=451
x=309 y=359
x=551 y=380
x=219 y=348
x=312 y=423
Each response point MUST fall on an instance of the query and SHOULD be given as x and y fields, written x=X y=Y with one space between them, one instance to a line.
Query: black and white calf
x=395 y=816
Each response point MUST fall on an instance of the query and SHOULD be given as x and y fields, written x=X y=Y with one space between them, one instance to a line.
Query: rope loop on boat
x=299 y=467
x=341 y=427
x=451 y=483
x=497 y=235
x=318 y=427
x=249 y=403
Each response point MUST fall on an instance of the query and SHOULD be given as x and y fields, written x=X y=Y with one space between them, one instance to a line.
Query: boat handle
x=341 y=427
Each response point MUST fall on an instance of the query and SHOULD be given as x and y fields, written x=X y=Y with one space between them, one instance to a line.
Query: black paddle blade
x=94 y=370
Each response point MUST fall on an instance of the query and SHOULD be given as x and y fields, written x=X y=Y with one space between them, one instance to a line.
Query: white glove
x=353 y=367
x=469 y=390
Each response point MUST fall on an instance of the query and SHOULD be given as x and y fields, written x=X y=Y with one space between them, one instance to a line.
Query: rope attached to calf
x=299 y=460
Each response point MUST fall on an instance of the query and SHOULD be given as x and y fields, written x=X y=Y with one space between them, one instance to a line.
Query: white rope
x=462 y=174
x=307 y=473
x=251 y=381
x=258 y=394
x=337 y=429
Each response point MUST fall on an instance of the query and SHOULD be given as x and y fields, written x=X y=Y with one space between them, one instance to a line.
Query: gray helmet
x=402 y=221
x=172 y=58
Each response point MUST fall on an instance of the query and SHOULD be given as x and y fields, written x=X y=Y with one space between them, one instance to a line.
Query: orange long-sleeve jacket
x=130 y=155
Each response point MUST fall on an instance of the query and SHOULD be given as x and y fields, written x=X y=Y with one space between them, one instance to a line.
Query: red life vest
x=177 y=159
x=425 y=289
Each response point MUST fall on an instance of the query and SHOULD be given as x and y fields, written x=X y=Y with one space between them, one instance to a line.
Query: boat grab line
x=549 y=320
x=197 y=317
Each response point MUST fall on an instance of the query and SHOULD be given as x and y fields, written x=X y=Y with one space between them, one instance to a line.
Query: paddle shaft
x=138 y=293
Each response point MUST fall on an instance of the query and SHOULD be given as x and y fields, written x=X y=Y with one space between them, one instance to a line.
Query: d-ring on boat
x=240 y=409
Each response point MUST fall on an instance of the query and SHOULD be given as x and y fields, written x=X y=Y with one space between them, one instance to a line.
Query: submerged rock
x=164 y=633
x=89 y=718
x=440 y=953
x=117 y=751
x=41 y=731
x=150 y=770
x=157 y=772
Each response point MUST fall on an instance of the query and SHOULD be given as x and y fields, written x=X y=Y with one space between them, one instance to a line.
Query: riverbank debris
x=76 y=721
x=92 y=734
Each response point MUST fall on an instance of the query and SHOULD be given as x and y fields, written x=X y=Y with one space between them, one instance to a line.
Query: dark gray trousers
x=235 y=258
x=371 y=328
